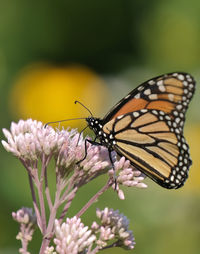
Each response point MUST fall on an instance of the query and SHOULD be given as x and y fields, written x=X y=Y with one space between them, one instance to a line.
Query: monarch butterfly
x=146 y=127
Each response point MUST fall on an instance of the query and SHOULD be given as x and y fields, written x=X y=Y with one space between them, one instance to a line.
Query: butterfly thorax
x=96 y=125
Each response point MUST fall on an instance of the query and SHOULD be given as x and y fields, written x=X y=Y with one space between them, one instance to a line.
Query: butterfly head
x=95 y=124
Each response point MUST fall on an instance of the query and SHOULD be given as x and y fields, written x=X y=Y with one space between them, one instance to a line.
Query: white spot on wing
x=171 y=97
x=191 y=86
x=144 y=110
x=140 y=88
x=177 y=120
x=184 y=147
x=179 y=107
x=147 y=92
x=162 y=88
x=136 y=114
x=160 y=83
x=137 y=96
x=155 y=112
x=119 y=117
x=180 y=77
x=172 y=178
x=151 y=82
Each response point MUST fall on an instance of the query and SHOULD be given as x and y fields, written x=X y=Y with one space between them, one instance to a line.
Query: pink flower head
x=29 y=139
x=113 y=226
x=72 y=236
x=127 y=176
x=27 y=220
x=24 y=215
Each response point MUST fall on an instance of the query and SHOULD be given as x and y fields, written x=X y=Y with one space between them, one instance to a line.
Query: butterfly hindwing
x=146 y=138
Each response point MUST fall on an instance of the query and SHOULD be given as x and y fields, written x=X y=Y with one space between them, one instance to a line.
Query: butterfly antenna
x=84 y=107
x=64 y=120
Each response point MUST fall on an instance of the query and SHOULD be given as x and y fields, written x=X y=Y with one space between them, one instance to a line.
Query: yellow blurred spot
x=192 y=134
x=47 y=93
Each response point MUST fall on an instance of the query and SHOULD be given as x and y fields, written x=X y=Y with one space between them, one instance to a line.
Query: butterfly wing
x=148 y=140
x=168 y=92
x=147 y=126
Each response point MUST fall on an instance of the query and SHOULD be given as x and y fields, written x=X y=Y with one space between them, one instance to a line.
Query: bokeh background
x=55 y=52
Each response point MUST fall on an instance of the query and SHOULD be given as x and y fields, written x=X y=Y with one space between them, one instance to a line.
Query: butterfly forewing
x=168 y=92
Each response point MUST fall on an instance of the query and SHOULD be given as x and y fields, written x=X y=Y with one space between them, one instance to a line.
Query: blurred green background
x=55 y=52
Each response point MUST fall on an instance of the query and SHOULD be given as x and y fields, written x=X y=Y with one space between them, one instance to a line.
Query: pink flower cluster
x=30 y=140
x=113 y=226
x=72 y=236
x=27 y=220
x=25 y=215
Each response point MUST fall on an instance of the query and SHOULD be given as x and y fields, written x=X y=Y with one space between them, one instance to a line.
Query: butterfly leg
x=93 y=142
x=113 y=166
